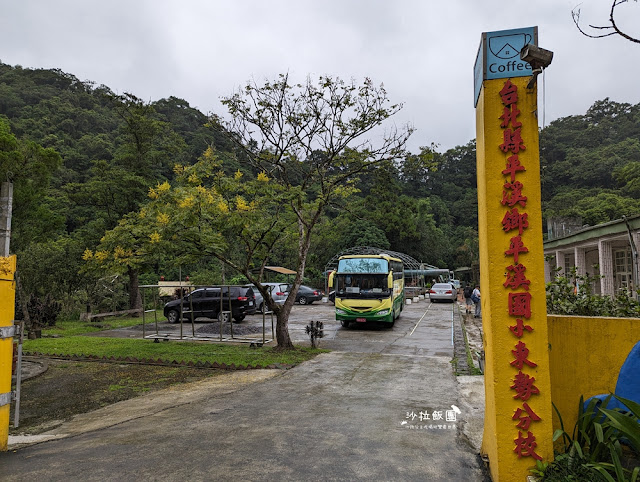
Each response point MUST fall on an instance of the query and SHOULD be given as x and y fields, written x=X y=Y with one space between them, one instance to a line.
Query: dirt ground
x=45 y=401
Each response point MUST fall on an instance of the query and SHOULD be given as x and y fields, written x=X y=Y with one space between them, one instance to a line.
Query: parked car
x=306 y=295
x=278 y=293
x=456 y=283
x=205 y=303
x=443 y=291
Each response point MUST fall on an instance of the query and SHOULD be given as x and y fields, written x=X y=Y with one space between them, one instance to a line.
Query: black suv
x=206 y=304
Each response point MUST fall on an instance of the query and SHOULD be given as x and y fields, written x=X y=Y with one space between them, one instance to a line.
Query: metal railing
x=224 y=316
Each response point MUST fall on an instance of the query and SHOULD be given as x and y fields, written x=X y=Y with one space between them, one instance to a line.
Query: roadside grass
x=75 y=327
x=168 y=351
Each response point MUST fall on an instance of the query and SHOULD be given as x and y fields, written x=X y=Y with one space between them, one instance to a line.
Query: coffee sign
x=499 y=56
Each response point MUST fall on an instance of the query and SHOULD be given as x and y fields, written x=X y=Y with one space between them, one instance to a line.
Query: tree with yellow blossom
x=204 y=214
x=236 y=219
x=132 y=246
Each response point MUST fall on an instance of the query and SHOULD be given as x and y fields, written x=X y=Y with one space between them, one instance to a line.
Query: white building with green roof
x=608 y=250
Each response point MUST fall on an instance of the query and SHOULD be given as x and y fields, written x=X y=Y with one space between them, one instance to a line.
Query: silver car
x=443 y=291
x=278 y=293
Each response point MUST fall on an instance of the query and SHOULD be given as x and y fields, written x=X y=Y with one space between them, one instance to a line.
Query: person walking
x=468 y=290
x=475 y=297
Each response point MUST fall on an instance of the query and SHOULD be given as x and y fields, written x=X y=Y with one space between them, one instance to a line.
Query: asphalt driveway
x=346 y=415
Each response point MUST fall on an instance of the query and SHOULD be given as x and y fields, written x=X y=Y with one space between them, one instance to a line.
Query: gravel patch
x=203 y=327
x=238 y=330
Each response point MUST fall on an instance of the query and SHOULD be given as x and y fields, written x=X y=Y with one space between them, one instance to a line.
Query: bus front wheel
x=344 y=323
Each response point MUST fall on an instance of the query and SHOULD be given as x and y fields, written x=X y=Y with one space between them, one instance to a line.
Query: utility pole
x=7 y=303
x=6 y=204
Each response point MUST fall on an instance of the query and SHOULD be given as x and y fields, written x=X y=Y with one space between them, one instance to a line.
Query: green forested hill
x=591 y=163
x=81 y=157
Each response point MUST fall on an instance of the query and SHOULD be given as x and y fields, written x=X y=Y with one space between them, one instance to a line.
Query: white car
x=278 y=293
x=444 y=292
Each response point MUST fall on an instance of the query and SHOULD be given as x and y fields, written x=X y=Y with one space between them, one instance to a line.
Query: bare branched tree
x=604 y=30
x=313 y=140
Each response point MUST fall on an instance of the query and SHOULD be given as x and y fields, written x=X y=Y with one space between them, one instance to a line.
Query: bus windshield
x=363 y=265
x=362 y=286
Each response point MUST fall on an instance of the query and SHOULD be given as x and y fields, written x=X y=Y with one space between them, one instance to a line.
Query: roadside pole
x=7 y=307
x=518 y=413
x=7 y=300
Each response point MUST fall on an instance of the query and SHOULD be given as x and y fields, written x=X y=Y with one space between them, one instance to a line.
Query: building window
x=568 y=265
x=622 y=270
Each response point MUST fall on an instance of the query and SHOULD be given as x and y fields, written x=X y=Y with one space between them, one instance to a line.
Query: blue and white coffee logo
x=499 y=56
x=509 y=46
x=503 y=53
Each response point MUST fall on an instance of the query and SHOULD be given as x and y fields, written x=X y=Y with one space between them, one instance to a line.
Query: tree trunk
x=282 y=327
x=135 y=299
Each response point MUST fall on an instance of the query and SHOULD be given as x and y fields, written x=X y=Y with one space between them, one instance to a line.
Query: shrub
x=43 y=311
x=573 y=295
x=604 y=445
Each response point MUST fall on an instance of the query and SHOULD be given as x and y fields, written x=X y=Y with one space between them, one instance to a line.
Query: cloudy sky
x=422 y=50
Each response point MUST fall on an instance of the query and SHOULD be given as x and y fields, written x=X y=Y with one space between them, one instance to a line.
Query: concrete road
x=423 y=329
x=353 y=414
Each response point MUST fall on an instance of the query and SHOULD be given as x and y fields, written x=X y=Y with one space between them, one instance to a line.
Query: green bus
x=368 y=288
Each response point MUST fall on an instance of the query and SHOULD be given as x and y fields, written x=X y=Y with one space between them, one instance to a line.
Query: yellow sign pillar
x=7 y=300
x=518 y=426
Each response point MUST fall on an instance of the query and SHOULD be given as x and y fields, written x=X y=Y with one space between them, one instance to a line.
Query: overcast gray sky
x=422 y=50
